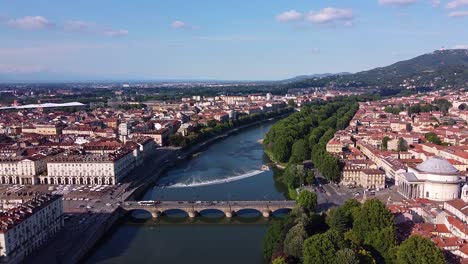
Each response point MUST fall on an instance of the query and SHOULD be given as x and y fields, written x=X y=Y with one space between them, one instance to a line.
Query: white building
x=81 y=168
x=26 y=223
x=434 y=179
x=21 y=170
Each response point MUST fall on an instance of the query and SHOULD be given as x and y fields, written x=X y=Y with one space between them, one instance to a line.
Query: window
x=427 y=194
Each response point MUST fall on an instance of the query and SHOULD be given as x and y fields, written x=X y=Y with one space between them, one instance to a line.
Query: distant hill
x=429 y=62
x=320 y=75
x=441 y=68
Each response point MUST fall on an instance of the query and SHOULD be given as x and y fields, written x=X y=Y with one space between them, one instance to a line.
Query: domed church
x=434 y=179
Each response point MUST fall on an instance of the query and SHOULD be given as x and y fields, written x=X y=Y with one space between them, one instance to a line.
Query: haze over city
x=223 y=40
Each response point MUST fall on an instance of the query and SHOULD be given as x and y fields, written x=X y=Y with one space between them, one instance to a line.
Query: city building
x=26 y=223
x=22 y=170
x=434 y=179
x=88 y=168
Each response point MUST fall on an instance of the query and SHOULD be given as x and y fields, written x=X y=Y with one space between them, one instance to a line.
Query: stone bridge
x=229 y=208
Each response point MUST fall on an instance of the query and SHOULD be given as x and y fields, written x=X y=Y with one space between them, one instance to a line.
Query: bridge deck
x=225 y=206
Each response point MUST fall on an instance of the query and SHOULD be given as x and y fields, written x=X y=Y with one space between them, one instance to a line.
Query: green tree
x=419 y=250
x=310 y=177
x=293 y=175
x=279 y=260
x=314 y=223
x=322 y=248
x=338 y=220
x=443 y=104
x=272 y=241
x=385 y=142
x=392 y=110
x=433 y=138
x=346 y=256
x=382 y=244
x=300 y=152
x=365 y=257
x=373 y=216
x=307 y=201
x=329 y=167
x=282 y=149
x=351 y=208
x=402 y=145
x=294 y=240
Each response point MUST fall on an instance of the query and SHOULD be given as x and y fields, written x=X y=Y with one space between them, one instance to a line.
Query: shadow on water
x=114 y=232
x=209 y=216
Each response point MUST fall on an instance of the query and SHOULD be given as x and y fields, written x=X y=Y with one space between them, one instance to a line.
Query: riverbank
x=277 y=164
x=152 y=171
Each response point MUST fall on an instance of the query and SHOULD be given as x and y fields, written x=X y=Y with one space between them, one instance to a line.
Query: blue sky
x=220 y=39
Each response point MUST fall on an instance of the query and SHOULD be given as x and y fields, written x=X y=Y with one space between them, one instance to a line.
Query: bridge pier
x=266 y=214
x=192 y=214
x=228 y=214
x=155 y=214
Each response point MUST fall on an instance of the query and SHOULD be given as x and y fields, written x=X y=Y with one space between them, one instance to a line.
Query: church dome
x=437 y=165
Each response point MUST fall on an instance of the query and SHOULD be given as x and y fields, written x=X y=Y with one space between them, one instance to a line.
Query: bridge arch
x=141 y=213
x=248 y=212
x=175 y=213
x=281 y=211
x=212 y=213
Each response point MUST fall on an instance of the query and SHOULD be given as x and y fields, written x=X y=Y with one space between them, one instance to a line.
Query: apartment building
x=89 y=168
x=27 y=222
x=22 y=170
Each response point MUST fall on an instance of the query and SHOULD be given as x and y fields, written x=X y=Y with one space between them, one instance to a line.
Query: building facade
x=434 y=179
x=21 y=170
x=102 y=169
x=26 y=223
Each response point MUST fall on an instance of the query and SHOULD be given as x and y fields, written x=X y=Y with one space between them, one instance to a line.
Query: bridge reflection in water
x=229 y=208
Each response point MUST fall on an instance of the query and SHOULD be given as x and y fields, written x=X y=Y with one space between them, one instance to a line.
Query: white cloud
x=291 y=15
x=91 y=27
x=30 y=22
x=461 y=47
x=458 y=14
x=115 y=33
x=397 y=2
x=331 y=15
x=456 y=4
x=435 y=3
x=177 y=24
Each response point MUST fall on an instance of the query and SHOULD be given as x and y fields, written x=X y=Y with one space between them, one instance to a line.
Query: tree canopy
x=307 y=200
x=372 y=216
x=419 y=250
x=433 y=138
x=322 y=248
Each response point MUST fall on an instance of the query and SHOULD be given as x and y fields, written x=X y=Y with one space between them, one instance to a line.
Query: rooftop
x=437 y=165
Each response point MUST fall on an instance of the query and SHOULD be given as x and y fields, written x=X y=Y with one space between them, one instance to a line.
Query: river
x=227 y=170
